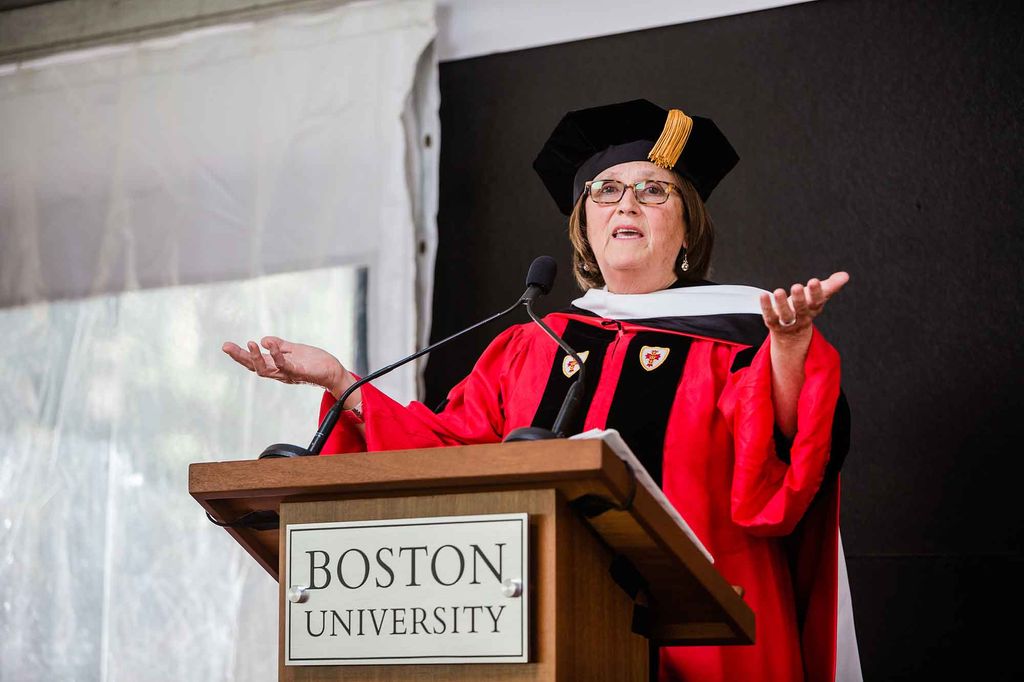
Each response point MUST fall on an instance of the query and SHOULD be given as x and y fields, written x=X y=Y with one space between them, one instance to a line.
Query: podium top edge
x=395 y=470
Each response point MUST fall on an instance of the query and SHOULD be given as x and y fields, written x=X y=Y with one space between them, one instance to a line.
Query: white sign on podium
x=408 y=591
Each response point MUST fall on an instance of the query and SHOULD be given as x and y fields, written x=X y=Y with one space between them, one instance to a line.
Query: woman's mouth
x=627 y=232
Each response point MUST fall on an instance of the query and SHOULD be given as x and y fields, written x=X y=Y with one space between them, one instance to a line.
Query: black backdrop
x=882 y=137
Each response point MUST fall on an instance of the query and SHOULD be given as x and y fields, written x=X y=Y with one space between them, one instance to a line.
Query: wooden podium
x=585 y=509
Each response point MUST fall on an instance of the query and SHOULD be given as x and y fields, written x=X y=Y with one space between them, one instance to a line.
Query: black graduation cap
x=587 y=141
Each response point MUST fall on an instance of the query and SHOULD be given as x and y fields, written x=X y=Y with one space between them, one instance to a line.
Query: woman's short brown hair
x=697 y=227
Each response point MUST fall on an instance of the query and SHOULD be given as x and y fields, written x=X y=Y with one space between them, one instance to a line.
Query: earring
x=685 y=265
x=586 y=268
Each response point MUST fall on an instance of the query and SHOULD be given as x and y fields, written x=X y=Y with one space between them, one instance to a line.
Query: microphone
x=539 y=279
x=571 y=402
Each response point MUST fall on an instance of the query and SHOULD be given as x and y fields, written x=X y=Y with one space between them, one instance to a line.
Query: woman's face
x=636 y=245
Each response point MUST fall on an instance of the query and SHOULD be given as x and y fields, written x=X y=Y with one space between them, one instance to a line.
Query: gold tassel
x=669 y=147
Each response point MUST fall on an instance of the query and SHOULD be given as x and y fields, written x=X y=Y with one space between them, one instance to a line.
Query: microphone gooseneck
x=571 y=402
x=539 y=279
x=331 y=418
x=542 y=274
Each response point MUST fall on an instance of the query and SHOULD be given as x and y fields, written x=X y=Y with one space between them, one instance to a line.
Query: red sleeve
x=769 y=496
x=346 y=436
x=473 y=413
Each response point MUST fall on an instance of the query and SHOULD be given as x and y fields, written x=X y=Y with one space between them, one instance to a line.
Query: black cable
x=260 y=519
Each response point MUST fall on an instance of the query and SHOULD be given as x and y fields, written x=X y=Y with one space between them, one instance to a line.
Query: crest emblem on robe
x=652 y=357
x=569 y=366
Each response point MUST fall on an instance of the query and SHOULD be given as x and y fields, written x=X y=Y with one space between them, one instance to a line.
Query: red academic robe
x=697 y=411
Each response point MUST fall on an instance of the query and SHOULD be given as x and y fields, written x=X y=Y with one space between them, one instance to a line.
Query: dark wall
x=880 y=137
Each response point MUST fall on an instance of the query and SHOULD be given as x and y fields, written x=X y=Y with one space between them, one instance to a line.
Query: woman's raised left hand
x=790 y=317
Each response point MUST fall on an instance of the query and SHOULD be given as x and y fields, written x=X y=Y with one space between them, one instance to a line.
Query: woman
x=726 y=394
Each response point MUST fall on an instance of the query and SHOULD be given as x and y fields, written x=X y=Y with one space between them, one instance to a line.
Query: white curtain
x=157 y=199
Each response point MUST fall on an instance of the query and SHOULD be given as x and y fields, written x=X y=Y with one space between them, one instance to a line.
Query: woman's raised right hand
x=293 y=363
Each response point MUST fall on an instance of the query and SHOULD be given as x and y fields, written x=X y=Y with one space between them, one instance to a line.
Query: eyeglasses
x=645 y=191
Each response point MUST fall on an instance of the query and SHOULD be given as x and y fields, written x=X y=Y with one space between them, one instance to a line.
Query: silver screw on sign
x=512 y=587
x=298 y=594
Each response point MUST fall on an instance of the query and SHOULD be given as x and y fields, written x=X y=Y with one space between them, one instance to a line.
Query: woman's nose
x=628 y=202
